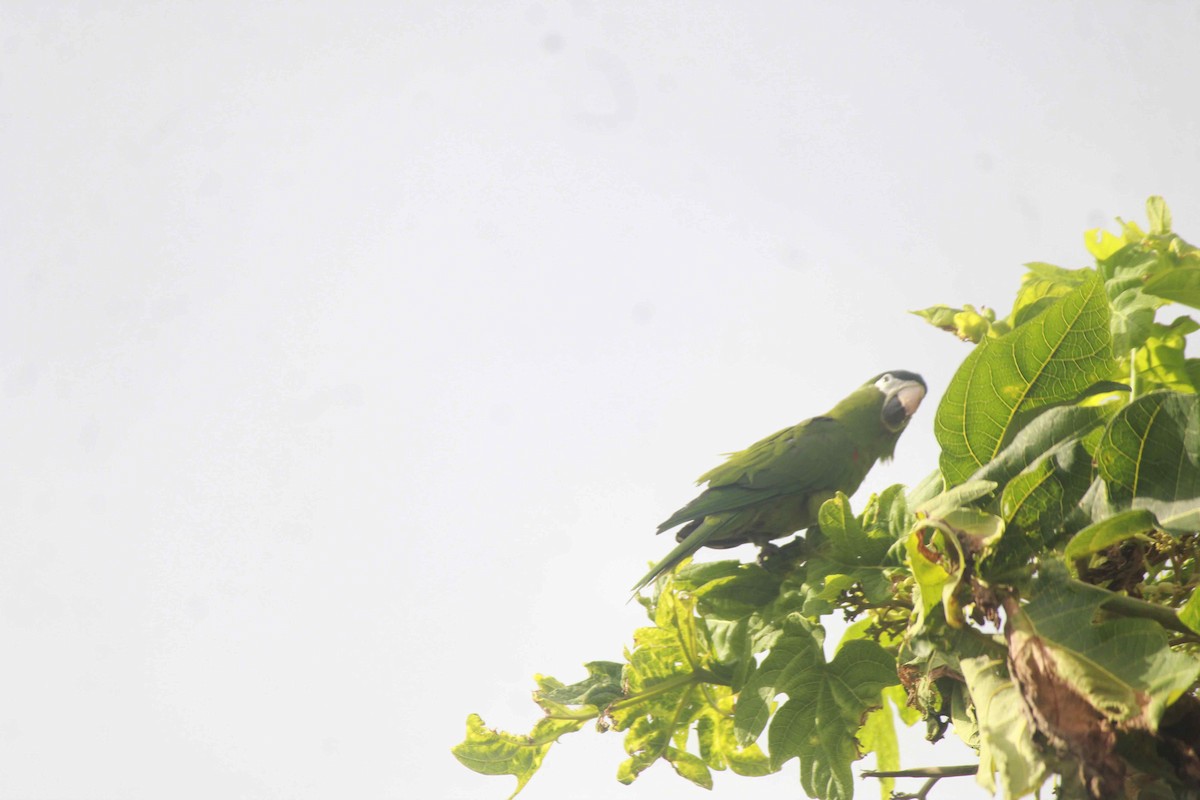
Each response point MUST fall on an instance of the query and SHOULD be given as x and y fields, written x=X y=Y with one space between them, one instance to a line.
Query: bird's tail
x=706 y=530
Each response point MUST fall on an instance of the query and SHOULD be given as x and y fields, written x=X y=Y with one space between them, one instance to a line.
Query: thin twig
x=932 y=775
x=958 y=771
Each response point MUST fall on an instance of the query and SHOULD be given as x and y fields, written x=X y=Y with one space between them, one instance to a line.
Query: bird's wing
x=746 y=462
x=814 y=455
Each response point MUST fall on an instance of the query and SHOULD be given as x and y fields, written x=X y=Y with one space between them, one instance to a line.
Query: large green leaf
x=1151 y=449
x=1124 y=667
x=1048 y=361
x=825 y=706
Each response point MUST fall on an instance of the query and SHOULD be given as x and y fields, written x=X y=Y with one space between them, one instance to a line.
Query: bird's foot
x=767 y=553
x=777 y=558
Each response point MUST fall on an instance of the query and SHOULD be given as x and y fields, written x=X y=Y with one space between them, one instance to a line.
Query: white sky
x=353 y=351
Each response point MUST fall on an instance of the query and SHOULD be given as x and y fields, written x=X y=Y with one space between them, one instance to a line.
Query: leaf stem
x=667 y=685
x=1133 y=607
x=1133 y=387
x=582 y=714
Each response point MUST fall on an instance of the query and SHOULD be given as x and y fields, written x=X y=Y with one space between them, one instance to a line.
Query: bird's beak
x=910 y=396
x=902 y=404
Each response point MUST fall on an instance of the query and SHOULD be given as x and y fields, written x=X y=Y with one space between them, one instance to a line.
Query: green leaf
x=1104 y=534
x=886 y=515
x=1160 y=362
x=826 y=703
x=662 y=683
x=731 y=598
x=954 y=534
x=1048 y=361
x=601 y=687
x=1179 y=285
x=961 y=495
x=1179 y=516
x=719 y=747
x=1070 y=278
x=962 y=716
x=878 y=736
x=930 y=576
x=851 y=544
x=731 y=593
x=1040 y=439
x=926 y=489
x=492 y=752
x=1038 y=290
x=851 y=555
x=1159 y=215
x=1190 y=613
x=1040 y=498
x=966 y=323
x=689 y=766
x=1151 y=449
x=1132 y=312
x=1006 y=746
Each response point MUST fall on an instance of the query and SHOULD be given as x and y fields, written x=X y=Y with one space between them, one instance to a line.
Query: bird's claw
x=767 y=553
x=775 y=558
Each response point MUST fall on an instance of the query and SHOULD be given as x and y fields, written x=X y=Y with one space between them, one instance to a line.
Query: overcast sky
x=353 y=351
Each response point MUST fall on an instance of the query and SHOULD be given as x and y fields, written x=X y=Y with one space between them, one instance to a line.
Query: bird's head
x=902 y=393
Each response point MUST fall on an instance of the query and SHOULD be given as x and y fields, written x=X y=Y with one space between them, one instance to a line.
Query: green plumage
x=776 y=486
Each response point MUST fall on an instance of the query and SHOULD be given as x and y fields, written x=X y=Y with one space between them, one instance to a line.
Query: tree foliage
x=1034 y=595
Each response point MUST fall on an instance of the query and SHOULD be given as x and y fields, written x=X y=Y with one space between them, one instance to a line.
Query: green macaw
x=776 y=486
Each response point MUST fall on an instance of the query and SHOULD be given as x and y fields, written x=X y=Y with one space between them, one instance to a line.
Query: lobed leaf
x=826 y=703
x=493 y=752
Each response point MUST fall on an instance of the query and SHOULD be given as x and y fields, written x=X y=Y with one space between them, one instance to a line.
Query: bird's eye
x=884 y=380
